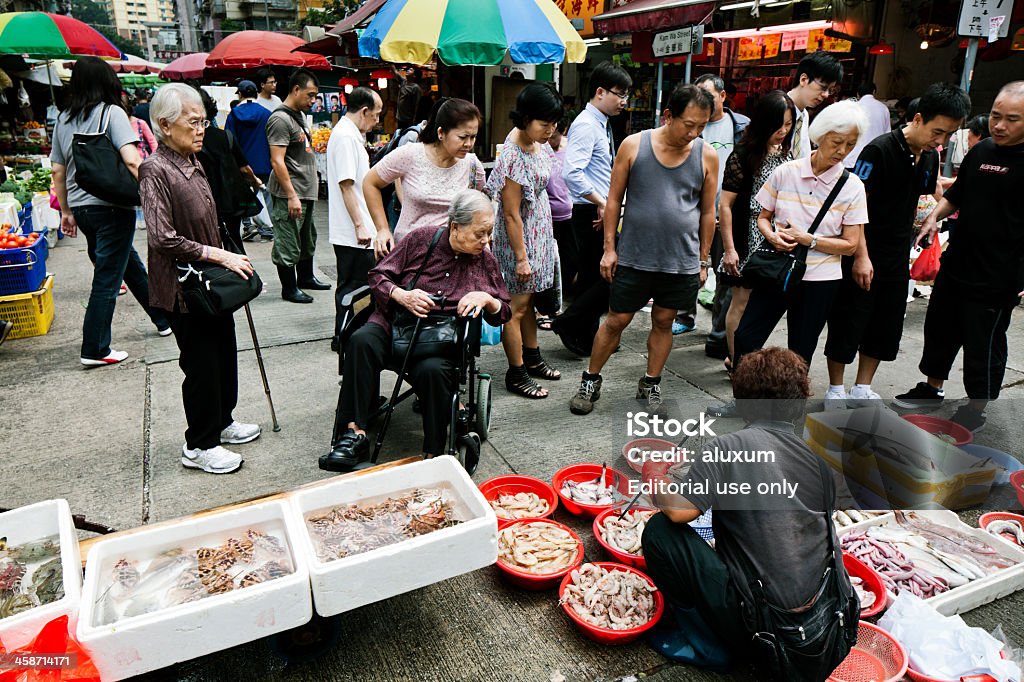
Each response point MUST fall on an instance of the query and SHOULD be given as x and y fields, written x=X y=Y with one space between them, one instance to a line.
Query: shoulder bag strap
x=829 y=201
x=430 y=250
x=828 y=487
x=104 y=120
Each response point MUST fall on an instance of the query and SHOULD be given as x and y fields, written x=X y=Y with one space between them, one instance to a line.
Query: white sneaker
x=216 y=460
x=864 y=397
x=237 y=433
x=112 y=358
x=835 y=400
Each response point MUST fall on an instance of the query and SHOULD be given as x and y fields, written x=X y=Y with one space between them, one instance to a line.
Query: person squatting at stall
x=669 y=177
x=181 y=222
x=587 y=171
x=982 y=275
x=294 y=185
x=711 y=589
x=463 y=271
x=867 y=315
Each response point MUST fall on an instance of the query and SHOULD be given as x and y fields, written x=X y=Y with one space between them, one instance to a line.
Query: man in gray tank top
x=670 y=178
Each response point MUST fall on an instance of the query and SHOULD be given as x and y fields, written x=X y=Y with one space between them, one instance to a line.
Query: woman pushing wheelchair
x=433 y=276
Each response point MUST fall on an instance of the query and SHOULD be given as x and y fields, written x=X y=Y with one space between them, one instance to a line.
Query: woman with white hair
x=445 y=270
x=791 y=199
x=181 y=222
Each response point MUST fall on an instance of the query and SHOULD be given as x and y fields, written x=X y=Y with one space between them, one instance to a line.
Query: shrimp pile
x=616 y=599
x=522 y=505
x=537 y=547
x=624 y=534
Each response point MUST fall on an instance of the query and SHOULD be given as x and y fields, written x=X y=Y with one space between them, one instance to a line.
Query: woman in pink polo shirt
x=790 y=201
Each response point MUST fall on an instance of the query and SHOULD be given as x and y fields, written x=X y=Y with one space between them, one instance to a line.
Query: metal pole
x=689 y=64
x=657 y=101
x=972 y=55
x=266 y=12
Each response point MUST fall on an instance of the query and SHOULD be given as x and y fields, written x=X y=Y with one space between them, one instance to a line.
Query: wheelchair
x=470 y=413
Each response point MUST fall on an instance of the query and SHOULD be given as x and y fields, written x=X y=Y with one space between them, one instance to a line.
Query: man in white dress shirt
x=816 y=76
x=879 y=121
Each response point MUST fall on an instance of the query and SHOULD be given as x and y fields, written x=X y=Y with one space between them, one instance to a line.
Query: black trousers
x=367 y=354
x=806 y=306
x=582 y=319
x=957 y=320
x=567 y=255
x=353 y=264
x=209 y=359
x=691 y=575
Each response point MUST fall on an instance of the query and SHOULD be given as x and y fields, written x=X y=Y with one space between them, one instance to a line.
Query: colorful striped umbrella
x=472 y=32
x=51 y=36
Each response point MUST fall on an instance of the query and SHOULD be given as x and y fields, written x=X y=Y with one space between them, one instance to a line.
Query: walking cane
x=263 y=370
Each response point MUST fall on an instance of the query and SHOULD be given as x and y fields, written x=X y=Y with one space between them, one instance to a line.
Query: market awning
x=653 y=15
x=357 y=19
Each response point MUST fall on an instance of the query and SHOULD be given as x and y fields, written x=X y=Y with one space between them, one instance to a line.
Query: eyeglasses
x=826 y=88
x=201 y=124
x=621 y=95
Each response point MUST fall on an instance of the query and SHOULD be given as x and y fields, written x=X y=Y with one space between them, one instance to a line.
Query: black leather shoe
x=306 y=279
x=289 y=291
x=350 y=450
x=296 y=296
x=314 y=284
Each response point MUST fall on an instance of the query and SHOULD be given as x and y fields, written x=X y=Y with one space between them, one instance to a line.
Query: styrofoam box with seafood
x=28 y=524
x=353 y=581
x=977 y=592
x=133 y=645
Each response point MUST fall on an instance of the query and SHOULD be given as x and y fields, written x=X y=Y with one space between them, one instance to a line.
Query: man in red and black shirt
x=982 y=275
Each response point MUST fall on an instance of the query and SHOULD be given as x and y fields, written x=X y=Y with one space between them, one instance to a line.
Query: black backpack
x=391 y=146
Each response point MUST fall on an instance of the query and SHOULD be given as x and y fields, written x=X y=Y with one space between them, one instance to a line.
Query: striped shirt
x=795 y=195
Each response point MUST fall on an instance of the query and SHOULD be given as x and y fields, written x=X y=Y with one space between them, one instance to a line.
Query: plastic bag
x=489 y=335
x=53 y=640
x=926 y=267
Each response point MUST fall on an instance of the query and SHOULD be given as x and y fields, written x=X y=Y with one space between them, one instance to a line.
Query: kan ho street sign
x=989 y=19
x=679 y=41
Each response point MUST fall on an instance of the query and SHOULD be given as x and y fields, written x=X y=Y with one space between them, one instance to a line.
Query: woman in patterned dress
x=763 y=148
x=524 y=241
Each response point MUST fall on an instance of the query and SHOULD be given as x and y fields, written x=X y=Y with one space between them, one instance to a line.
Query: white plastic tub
x=34 y=522
x=131 y=646
x=345 y=584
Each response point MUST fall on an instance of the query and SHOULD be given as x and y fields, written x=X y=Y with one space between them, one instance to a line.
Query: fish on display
x=1008 y=529
x=31 y=575
x=867 y=597
x=589 y=492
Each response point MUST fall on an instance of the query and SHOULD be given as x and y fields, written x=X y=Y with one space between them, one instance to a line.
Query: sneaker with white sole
x=861 y=396
x=216 y=460
x=112 y=358
x=237 y=433
x=835 y=400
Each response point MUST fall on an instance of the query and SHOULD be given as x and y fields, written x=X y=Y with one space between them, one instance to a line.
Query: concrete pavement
x=108 y=440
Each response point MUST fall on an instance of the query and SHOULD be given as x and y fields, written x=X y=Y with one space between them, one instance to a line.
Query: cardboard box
x=348 y=583
x=131 y=646
x=34 y=522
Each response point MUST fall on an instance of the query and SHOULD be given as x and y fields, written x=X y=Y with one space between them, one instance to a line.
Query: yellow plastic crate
x=31 y=313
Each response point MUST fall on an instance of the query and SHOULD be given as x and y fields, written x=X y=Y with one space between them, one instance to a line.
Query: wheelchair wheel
x=468 y=446
x=483 y=406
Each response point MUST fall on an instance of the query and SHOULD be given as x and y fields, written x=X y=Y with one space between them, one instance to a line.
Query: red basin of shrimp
x=607 y=635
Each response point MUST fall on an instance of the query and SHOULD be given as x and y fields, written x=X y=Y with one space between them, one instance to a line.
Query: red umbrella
x=185 y=68
x=253 y=49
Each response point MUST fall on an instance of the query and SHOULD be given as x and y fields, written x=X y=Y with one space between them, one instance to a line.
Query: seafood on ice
x=595 y=492
x=352 y=529
x=613 y=599
x=848 y=517
x=1008 y=529
x=522 y=505
x=180 y=576
x=923 y=557
x=537 y=547
x=31 y=575
x=624 y=534
x=866 y=596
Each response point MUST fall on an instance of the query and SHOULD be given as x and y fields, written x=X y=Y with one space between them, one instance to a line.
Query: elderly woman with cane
x=181 y=220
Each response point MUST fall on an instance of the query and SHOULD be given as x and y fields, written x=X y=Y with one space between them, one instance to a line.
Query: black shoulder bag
x=433 y=336
x=783 y=270
x=807 y=645
x=99 y=168
x=210 y=289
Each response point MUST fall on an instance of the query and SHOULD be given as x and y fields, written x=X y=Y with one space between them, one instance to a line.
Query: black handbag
x=210 y=289
x=766 y=267
x=99 y=168
x=436 y=335
x=807 y=645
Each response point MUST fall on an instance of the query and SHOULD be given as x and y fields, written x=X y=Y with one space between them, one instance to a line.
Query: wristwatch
x=814 y=242
x=705 y=263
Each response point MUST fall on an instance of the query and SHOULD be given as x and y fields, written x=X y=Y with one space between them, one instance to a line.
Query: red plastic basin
x=1017 y=481
x=1000 y=516
x=588 y=472
x=605 y=635
x=619 y=555
x=511 y=484
x=533 y=581
x=936 y=426
x=872 y=582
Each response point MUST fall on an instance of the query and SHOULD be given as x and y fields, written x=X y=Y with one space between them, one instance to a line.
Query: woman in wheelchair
x=450 y=264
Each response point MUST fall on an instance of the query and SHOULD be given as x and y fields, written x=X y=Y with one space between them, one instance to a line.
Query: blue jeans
x=109 y=231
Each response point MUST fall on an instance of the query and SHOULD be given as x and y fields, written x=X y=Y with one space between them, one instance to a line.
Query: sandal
x=544 y=323
x=537 y=367
x=519 y=382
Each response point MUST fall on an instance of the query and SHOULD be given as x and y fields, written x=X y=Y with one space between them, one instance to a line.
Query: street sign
x=688 y=40
x=985 y=19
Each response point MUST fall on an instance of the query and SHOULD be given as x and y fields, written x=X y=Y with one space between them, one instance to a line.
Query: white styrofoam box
x=131 y=646
x=36 y=521
x=354 y=581
x=977 y=592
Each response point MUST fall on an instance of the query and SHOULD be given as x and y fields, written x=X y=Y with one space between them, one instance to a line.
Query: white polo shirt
x=347 y=159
